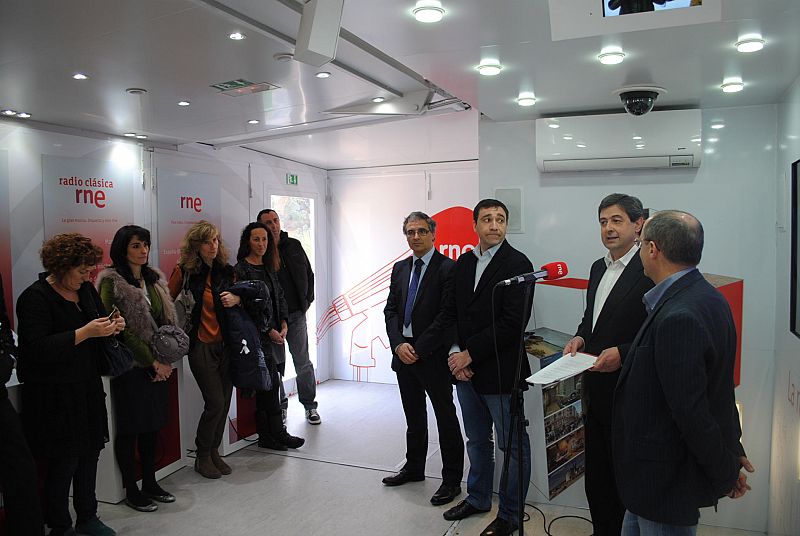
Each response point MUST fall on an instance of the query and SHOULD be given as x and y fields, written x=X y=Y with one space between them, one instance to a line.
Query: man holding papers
x=614 y=313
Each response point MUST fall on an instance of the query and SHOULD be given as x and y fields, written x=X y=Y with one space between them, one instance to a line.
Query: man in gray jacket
x=297 y=280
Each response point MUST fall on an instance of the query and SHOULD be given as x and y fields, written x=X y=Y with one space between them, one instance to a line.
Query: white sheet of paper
x=562 y=368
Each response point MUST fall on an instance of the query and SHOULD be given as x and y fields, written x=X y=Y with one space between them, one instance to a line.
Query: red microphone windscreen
x=555 y=270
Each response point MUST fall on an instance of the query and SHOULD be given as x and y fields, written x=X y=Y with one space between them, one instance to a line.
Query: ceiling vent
x=659 y=140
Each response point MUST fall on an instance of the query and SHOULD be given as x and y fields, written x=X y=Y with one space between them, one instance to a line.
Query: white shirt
x=614 y=269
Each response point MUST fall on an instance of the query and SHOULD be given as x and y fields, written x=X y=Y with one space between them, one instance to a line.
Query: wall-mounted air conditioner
x=667 y=139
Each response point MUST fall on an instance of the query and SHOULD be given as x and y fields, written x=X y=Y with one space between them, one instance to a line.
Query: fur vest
x=133 y=305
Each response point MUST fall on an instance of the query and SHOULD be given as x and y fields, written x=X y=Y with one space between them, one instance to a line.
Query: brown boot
x=219 y=463
x=204 y=466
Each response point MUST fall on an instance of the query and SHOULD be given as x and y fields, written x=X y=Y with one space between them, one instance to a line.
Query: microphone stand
x=517 y=411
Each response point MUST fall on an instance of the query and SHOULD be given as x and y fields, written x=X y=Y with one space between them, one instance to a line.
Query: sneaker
x=312 y=416
x=95 y=527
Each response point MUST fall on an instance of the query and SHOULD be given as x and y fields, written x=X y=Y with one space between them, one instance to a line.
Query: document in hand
x=565 y=367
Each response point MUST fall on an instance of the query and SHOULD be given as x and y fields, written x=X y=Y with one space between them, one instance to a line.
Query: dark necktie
x=412 y=292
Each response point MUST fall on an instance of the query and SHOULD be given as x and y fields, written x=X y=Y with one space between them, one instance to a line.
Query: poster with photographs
x=564 y=433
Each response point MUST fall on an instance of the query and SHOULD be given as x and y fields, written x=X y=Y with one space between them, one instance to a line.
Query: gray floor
x=330 y=487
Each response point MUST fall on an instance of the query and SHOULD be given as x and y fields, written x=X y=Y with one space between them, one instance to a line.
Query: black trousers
x=601 y=486
x=415 y=381
x=81 y=472
x=18 y=476
x=125 y=446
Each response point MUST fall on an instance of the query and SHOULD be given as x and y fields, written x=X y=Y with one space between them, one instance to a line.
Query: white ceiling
x=176 y=48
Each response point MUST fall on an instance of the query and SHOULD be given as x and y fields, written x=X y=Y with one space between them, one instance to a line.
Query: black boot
x=278 y=431
x=265 y=438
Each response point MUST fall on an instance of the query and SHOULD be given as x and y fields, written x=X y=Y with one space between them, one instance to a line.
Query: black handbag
x=117 y=358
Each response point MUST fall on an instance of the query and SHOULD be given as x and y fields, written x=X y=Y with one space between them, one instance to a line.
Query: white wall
x=733 y=194
x=784 y=492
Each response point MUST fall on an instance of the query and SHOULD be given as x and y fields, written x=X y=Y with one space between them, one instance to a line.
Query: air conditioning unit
x=669 y=139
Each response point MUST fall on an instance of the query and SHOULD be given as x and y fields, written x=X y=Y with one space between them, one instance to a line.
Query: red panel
x=734 y=293
x=568 y=282
x=244 y=425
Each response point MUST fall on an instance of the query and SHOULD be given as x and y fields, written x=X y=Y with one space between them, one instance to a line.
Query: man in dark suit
x=419 y=287
x=676 y=427
x=614 y=313
x=485 y=377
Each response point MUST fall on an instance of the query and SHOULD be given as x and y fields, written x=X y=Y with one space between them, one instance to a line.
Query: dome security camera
x=638 y=100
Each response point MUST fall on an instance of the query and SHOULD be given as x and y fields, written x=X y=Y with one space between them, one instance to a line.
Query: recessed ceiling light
x=717 y=126
x=377 y=100
x=490 y=67
x=23 y=115
x=283 y=57
x=640 y=145
x=709 y=150
x=253 y=122
x=611 y=55
x=526 y=98
x=750 y=43
x=712 y=140
x=130 y=134
x=637 y=137
x=696 y=139
x=556 y=154
x=428 y=11
x=184 y=103
x=322 y=74
x=9 y=112
x=237 y=36
x=732 y=85
x=581 y=145
x=553 y=124
x=136 y=91
x=141 y=137
x=567 y=137
x=79 y=76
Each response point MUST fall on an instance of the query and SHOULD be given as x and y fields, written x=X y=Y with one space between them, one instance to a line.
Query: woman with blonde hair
x=203 y=268
x=61 y=325
x=140 y=395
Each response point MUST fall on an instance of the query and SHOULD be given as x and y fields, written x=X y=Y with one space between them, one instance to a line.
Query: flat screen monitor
x=794 y=321
x=612 y=8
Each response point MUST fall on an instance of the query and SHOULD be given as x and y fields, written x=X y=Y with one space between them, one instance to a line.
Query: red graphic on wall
x=362 y=305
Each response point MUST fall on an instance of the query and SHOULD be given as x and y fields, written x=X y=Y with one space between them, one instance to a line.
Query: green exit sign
x=291 y=179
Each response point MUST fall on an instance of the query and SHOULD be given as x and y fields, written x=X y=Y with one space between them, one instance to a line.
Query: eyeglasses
x=419 y=232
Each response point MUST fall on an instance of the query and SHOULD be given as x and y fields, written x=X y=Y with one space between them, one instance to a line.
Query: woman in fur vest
x=140 y=395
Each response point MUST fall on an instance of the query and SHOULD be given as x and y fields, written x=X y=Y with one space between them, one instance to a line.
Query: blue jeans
x=634 y=525
x=297 y=340
x=480 y=413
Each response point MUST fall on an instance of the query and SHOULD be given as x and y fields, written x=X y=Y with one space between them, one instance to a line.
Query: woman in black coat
x=258 y=259
x=61 y=322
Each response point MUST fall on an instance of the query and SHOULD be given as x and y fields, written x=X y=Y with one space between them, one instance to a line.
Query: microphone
x=551 y=270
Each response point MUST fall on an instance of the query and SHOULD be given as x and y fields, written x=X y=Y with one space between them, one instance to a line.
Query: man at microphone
x=485 y=378
x=614 y=312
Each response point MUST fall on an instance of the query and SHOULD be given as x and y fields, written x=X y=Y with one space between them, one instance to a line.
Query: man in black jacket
x=297 y=280
x=17 y=468
x=614 y=313
x=420 y=286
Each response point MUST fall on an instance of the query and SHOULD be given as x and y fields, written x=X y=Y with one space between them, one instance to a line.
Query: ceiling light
x=130 y=134
x=237 y=36
x=79 y=76
x=696 y=139
x=637 y=138
x=611 y=55
x=732 y=85
x=526 y=98
x=184 y=103
x=709 y=150
x=750 y=43
x=581 y=145
x=136 y=91
x=23 y=115
x=567 y=137
x=141 y=137
x=712 y=140
x=322 y=74
x=640 y=145
x=253 y=122
x=717 y=126
x=490 y=67
x=553 y=124
x=283 y=57
x=9 y=112
x=556 y=154
x=377 y=100
x=428 y=11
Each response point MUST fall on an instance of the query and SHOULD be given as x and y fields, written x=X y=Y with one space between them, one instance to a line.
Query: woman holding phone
x=140 y=395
